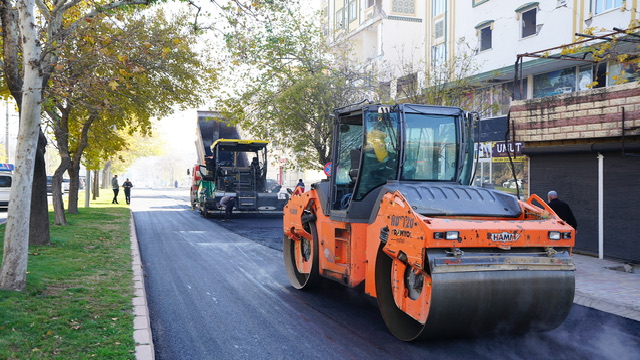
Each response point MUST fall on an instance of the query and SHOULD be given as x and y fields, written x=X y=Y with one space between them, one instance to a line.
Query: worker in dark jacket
x=228 y=202
x=127 y=185
x=562 y=209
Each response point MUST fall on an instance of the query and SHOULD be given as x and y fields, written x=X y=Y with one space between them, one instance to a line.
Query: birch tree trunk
x=13 y=273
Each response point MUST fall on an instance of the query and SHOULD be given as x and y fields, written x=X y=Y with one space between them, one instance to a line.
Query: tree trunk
x=10 y=50
x=13 y=273
x=56 y=193
x=39 y=221
x=61 y=131
x=95 y=185
x=106 y=175
x=74 y=186
x=74 y=169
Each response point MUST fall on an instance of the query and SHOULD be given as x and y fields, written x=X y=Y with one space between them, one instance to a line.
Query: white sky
x=178 y=130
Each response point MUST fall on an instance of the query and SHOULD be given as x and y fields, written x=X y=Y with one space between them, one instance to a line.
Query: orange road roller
x=398 y=217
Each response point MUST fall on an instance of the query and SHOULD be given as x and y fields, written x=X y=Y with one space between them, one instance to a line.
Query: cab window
x=379 y=161
x=431 y=152
x=5 y=181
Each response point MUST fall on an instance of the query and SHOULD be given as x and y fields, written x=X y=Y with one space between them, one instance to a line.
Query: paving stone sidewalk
x=604 y=285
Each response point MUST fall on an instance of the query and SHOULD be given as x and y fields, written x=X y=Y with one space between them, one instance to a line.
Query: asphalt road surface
x=218 y=290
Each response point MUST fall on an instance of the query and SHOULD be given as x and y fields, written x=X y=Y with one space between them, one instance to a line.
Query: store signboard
x=500 y=151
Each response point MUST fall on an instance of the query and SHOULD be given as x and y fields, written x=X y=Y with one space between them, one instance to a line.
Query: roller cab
x=398 y=218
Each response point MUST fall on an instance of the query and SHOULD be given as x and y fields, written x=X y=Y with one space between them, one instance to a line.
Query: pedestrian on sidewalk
x=562 y=209
x=127 y=185
x=116 y=189
x=228 y=202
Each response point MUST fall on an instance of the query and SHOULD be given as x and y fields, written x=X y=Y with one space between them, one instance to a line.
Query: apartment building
x=386 y=33
x=576 y=121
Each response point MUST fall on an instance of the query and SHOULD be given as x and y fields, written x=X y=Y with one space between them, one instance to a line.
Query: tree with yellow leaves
x=32 y=31
x=111 y=81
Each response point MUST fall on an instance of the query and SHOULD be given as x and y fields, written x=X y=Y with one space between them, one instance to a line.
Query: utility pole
x=87 y=189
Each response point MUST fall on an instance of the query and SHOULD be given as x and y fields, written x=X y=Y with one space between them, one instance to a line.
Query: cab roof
x=239 y=145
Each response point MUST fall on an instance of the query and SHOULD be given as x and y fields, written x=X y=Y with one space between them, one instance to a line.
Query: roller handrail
x=544 y=204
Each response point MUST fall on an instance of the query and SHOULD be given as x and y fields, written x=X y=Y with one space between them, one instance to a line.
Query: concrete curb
x=608 y=306
x=141 y=323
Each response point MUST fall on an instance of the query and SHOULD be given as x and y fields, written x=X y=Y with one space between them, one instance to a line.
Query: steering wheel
x=345 y=201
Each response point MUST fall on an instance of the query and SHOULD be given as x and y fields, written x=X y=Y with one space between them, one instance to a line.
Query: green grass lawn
x=77 y=304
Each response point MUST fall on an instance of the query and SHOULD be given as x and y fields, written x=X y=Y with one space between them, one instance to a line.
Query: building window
x=592 y=76
x=520 y=91
x=484 y=30
x=439 y=7
x=554 y=82
x=404 y=6
x=438 y=55
x=371 y=3
x=438 y=30
x=340 y=19
x=585 y=77
x=478 y=2
x=622 y=73
x=485 y=38
x=600 y=6
x=353 y=10
x=528 y=22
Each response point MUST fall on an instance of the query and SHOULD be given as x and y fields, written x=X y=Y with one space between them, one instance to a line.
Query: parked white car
x=511 y=184
x=6 y=178
x=65 y=185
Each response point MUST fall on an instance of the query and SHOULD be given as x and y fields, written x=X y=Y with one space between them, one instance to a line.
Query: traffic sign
x=327 y=169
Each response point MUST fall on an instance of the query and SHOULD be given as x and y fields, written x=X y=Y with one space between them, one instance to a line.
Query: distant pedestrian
x=562 y=209
x=116 y=189
x=228 y=202
x=127 y=185
x=298 y=190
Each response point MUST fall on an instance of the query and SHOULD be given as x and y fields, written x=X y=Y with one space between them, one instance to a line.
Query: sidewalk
x=600 y=287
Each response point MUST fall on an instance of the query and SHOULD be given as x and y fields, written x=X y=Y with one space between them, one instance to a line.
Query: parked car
x=49 y=182
x=480 y=181
x=6 y=178
x=65 y=185
x=511 y=183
